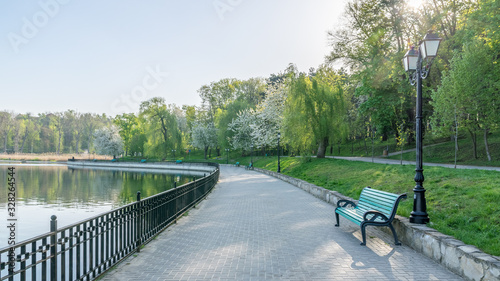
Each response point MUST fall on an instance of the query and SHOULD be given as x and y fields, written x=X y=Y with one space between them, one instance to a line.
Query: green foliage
x=127 y=124
x=224 y=117
x=315 y=110
x=160 y=127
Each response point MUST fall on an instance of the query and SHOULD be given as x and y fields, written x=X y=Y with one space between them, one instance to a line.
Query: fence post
x=175 y=202
x=138 y=221
x=53 y=248
x=194 y=192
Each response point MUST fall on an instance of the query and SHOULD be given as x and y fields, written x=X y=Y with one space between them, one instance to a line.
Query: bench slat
x=371 y=204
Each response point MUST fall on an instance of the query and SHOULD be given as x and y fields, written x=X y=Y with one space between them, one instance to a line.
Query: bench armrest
x=345 y=203
x=375 y=215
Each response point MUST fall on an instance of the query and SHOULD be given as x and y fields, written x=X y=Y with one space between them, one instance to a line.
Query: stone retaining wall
x=465 y=260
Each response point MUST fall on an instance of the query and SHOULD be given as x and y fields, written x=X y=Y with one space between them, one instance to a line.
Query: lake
x=73 y=195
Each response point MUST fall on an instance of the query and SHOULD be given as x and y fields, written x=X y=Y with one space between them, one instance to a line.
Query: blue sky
x=108 y=56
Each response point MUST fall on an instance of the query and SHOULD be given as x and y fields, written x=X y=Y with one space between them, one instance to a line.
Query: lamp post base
x=419 y=218
x=419 y=214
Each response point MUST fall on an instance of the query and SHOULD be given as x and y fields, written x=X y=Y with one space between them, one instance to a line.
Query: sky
x=109 y=56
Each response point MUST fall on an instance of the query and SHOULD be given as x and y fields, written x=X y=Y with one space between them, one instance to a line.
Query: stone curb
x=465 y=260
x=192 y=167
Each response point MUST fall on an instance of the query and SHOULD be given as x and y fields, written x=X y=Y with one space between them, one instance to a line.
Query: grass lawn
x=460 y=203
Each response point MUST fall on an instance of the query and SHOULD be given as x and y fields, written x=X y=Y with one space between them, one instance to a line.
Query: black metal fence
x=84 y=250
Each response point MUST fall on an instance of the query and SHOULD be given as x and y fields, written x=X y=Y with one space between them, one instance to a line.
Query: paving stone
x=255 y=227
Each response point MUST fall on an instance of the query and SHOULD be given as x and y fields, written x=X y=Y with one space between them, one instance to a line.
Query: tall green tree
x=470 y=90
x=316 y=109
x=127 y=124
x=161 y=127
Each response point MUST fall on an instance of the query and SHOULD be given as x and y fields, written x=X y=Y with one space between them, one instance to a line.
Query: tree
x=161 y=127
x=217 y=95
x=90 y=123
x=224 y=117
x=316 y=109
x=269 y=115
x=56 y=121
x=6 y=127
x=127 y=124
x=107 y=141
x=471 y=88
x=204 y=136
x=242 y=128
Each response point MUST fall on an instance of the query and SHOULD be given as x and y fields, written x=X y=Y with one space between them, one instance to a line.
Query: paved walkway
x=380 y=160
x=256 y=227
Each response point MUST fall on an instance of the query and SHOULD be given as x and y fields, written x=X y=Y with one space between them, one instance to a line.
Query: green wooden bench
x=249 y=167
x=143 y=161
x=178 y=161
x=375 y=207
x=237 y=164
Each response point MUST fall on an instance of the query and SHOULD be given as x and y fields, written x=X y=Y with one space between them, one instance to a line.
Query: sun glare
x=415 y=4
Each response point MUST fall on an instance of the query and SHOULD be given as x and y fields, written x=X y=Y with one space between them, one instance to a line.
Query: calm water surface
x=72 y=194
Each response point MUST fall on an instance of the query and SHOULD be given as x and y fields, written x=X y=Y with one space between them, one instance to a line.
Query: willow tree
x=315 y=110
x=161 y=127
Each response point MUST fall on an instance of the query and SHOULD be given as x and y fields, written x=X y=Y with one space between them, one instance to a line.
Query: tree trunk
x=89 y=142
x=486 y=131
x=474 y=143
x=323 y=144
x=24 y=140
x=5 y=143
x=59 y=143
x=384 y=137
x=16 y=142
x=206 y=150
x=373 y=155
x=366 y=147
x=78 y=145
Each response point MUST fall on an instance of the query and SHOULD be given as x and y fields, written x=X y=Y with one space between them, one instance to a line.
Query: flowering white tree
x=204 y=136
x=242 y=127
x=269 y=116
x=107 y=141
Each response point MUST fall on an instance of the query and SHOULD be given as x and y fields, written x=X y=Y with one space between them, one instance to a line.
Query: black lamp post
x=279 y=168
x=418 y=63
x=227 y=155
x=173 y=151
x=251 y=155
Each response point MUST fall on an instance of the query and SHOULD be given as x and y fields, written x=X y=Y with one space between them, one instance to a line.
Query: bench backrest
x=384 y=202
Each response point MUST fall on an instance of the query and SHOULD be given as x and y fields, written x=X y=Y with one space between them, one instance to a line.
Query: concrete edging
x=130 y=165
x=464 y=260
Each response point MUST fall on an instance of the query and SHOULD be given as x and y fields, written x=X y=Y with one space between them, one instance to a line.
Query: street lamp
x=414 y=63
x=279 y=168
x=251 y=155
x=173 y=151
x=227 y=155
